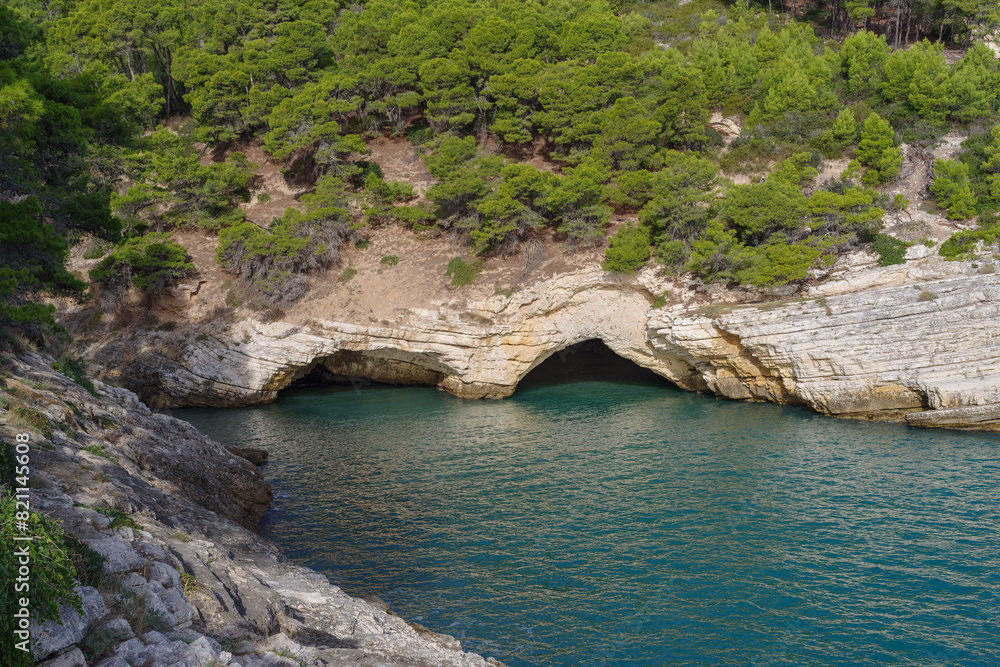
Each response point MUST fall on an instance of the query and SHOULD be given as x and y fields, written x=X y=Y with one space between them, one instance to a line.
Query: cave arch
x=387 y=366
x=590 y=359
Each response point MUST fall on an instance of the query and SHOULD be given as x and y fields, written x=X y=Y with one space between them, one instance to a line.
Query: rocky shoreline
x=186 y=580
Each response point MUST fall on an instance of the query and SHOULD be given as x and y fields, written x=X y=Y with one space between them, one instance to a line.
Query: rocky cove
x=188 y=552
x=914 y=341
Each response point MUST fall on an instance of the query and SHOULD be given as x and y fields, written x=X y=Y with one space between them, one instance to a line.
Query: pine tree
x=877 y=150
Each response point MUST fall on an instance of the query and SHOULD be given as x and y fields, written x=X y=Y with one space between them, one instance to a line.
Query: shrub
x=149 y=262
x=233 y=300
x=672 y=253
x=272 y=263
x=189 y=584
x=73 y=369
x=347 y=274
x=962 y=245
x=21 y=416
x=890 y=250
x=89 y=564
x=390 y=260
x=926 y=295
x=118 y=518
x=99 y=450
x=952 y=191
x=463 y=273
x=52 y=575
x=95 y=251
x=98 y=641
x=628 y=251
x=140 y=617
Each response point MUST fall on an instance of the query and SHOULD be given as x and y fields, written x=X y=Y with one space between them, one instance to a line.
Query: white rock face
x=880 y=343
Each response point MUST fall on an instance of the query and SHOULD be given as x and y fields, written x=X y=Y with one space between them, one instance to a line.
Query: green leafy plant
x=118 y=518
x=73 y=369
x=150 y=263
x=628 y=251
x=890 y=250
x=52 y=574
x=463 y=273
x=347 y=274
x=390 y=260
x=99 y=450
x=189 y=584
x=99 y=640
x=21 y=416
x=95 y=251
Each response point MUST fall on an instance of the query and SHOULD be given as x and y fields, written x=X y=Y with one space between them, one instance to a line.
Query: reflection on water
x=623 y=521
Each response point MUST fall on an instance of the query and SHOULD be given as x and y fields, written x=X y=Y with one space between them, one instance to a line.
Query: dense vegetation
x=106 y=108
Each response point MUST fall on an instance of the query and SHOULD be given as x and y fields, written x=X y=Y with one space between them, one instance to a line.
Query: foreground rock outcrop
x=914 y=342
x=186 y=581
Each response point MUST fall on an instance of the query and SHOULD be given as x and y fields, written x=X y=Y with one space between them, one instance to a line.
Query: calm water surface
x=620 y=521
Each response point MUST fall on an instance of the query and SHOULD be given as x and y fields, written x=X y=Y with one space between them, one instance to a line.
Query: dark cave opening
x=590 y=360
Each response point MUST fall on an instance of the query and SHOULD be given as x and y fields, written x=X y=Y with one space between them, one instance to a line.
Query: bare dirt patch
x=379 y=293
x=535 y=154
x=400 y=161
x=273 y=188
x=922 y=219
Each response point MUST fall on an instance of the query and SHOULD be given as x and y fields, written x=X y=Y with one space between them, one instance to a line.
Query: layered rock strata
x=915 y=342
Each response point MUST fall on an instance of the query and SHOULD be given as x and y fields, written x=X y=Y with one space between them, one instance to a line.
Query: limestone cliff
x=915 y=342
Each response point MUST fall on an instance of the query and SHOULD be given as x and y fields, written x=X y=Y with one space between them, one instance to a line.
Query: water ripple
x=601 y=523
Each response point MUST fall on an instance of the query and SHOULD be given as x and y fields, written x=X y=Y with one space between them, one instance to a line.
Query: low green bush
x=51 y=578
x=463 y=273
x=890 y=250
x=118 y=518
x=272 y=263
x=149 y=262
x=962 y=245
x=99 y=450
x=390 y=260
x=73 y=369
x=95 y=251
x=21 y=416
x=628 y=251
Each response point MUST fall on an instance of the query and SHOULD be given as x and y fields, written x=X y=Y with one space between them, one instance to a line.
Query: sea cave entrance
x=590 y=360
x=359 y=368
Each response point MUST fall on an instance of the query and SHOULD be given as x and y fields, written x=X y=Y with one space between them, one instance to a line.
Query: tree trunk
x=899 y=10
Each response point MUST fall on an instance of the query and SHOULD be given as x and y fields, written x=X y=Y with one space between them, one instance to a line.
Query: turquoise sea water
x=600 y=516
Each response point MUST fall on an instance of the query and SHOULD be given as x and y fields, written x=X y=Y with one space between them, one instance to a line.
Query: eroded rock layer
x=917 y=343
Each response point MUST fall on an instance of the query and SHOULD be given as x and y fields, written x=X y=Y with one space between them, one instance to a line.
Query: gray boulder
x=119 y=556
x=51 y=636
x=73 y=658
